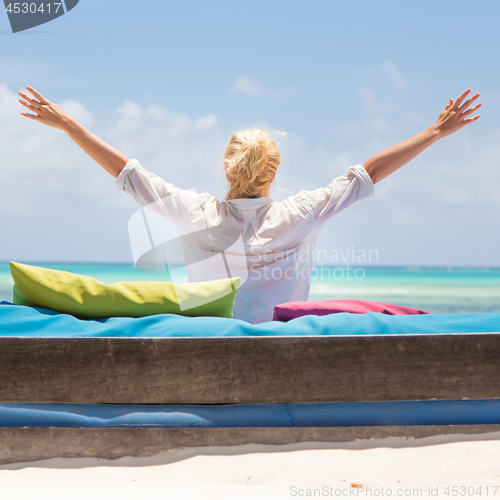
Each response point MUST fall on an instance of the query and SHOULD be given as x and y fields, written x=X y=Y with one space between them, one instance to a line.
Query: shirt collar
x=250 y=203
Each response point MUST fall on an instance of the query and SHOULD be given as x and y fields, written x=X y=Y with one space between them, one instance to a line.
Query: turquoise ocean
x=434 y=289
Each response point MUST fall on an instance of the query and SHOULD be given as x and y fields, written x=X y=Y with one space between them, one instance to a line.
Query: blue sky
x=168 y=82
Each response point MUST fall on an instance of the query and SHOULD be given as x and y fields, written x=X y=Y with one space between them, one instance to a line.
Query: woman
x=277 y=238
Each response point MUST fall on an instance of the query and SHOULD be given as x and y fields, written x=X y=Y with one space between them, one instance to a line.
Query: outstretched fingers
x=29 y=99
x=37 y=94
x=471 y=110
x=468 y=112
x=456 y=114
x=459 y=101
x=469 y=102
x=30 y=116
x=34 y=105
x=29 y=106
x=462 y=109
x=470 y=120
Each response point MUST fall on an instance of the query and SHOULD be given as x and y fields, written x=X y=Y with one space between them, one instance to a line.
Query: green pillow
x=86 y=298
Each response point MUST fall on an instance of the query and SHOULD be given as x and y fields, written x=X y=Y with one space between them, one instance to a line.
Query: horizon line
x=339 y=265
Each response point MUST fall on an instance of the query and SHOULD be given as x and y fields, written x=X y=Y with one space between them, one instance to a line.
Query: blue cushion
x=252 y=415
x=24 y=321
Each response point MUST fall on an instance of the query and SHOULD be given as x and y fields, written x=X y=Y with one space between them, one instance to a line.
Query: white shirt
x=273 y=253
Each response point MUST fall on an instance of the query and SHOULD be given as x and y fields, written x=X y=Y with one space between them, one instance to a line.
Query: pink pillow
x=291 y=310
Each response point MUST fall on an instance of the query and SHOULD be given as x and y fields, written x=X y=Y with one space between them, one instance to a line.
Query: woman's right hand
x=47 y=112
x=453 y=117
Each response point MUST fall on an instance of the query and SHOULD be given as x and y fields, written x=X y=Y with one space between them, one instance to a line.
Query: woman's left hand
x=47 y=112
x=453 y=117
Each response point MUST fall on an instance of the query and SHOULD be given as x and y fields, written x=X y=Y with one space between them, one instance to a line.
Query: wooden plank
x=29 y=444
x=250 y=369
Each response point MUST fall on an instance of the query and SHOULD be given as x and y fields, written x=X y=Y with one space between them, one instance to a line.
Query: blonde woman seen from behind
x=251 y=160
x=276 y=239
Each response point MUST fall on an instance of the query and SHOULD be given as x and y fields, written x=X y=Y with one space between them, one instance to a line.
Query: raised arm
x=450 y=120
x=52 y=115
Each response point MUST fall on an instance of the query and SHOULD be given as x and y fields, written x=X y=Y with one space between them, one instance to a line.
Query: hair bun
x=251 y=159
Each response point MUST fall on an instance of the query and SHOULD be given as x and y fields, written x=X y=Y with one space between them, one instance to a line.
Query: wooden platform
x=251 y=370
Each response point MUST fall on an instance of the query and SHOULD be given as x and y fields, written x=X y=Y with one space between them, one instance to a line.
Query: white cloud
x=78 y=111
x=244 y=85
x=383 y=108
x=206 y=122
x=131 y=118
x=371 y=125
x=459 y=171
x=387 y=74
x=390 y=69
x=381 y=100
x=384 y=89
x=16 y=69
x=42 y=170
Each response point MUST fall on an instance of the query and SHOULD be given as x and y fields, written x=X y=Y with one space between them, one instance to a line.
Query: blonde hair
x=251 y=160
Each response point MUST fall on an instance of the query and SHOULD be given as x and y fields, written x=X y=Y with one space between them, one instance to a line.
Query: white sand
x=272 y=472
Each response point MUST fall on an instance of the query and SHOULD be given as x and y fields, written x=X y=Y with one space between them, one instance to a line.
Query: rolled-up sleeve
x=323 y=203
x=149 y=190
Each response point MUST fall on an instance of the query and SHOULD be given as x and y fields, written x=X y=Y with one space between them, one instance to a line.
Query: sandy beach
x=384 y=467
